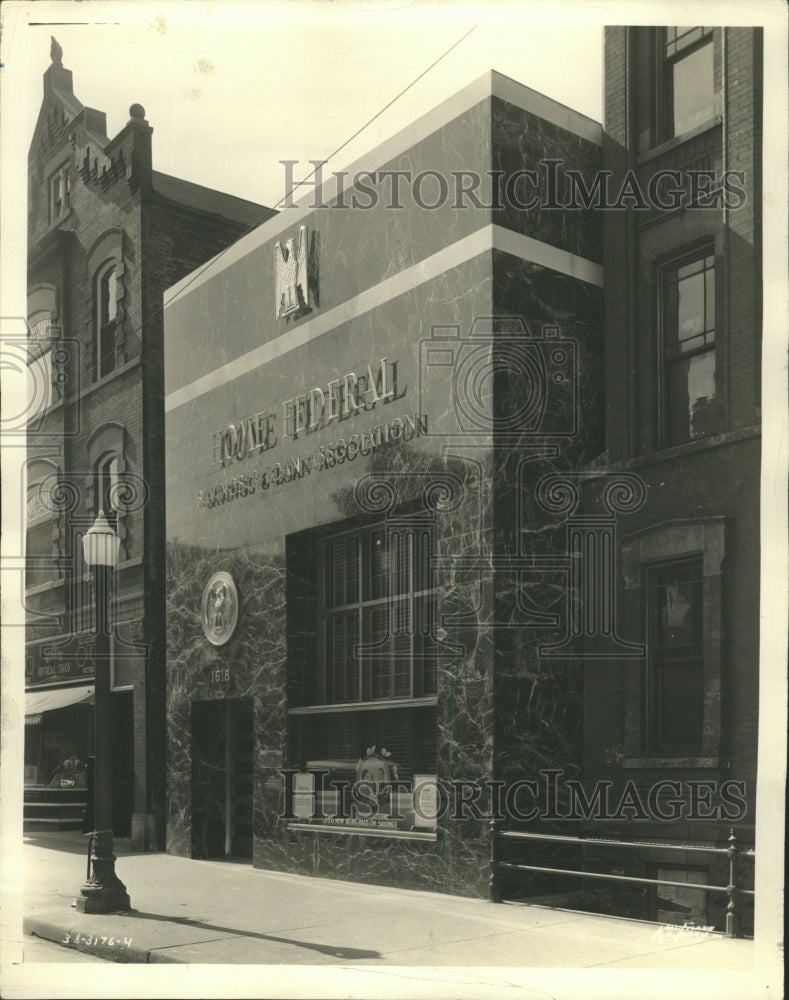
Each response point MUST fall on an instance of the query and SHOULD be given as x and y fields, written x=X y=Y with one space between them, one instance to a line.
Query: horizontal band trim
x=488 y=238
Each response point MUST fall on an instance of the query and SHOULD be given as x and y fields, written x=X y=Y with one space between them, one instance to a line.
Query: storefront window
x=364 y=713
x=376 y=769
x=57 y=746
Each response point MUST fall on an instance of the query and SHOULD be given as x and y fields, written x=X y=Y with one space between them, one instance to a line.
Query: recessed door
x=222 y=771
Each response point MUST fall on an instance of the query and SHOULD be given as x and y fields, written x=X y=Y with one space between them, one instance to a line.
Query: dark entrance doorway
x=222 y=759
x=122 y=762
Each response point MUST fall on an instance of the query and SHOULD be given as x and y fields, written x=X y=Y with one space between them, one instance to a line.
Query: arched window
x=40 y=517
x=105 y=275
x=107 y=492
x=41 y=315
x=40 y=363
x=106 y=295
x=107 y=473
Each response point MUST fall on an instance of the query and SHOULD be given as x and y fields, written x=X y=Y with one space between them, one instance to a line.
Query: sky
x=232 y=92
x=232 y=88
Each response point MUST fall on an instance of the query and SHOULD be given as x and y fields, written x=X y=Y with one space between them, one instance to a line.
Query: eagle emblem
x=219 y=609
x=293 y=292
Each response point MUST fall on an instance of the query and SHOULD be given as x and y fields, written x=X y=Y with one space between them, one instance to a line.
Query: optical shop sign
x=345 y=398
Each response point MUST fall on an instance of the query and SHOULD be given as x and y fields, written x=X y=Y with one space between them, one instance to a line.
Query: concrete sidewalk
x=219 y=912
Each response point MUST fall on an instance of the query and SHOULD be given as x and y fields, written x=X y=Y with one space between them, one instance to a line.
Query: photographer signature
x=681 y=932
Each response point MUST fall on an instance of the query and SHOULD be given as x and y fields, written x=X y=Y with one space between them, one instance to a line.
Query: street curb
x=73 y=938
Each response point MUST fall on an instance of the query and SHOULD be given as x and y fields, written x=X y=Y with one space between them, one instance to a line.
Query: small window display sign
x=425 y=801
x=304 y=796
x=369 y=795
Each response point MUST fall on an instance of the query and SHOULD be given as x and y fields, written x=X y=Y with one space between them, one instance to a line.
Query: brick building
x=683 y=334
x=106 y=235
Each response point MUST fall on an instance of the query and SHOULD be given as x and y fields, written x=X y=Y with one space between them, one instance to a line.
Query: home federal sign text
x=337 y=399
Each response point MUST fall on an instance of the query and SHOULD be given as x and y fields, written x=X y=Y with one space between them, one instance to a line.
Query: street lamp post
x=103 y=892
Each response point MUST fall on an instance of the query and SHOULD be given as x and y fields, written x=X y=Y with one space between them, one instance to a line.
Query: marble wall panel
x=523 y=141
x=254 y=657
x=538 y=698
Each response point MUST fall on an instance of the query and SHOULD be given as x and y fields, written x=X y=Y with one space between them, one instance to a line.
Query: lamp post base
x=103 y=892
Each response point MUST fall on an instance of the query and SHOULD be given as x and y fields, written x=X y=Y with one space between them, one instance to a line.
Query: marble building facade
x=362 y=564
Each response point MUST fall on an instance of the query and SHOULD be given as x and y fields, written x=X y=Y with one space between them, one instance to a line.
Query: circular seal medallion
x=219 y=611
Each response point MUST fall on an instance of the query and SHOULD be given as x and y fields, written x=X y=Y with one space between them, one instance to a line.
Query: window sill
x=680 y=450
x=365 y=706
x=100 y=383
x=645 y=763
x=361 y=831
x=668 y=145
x=58 y=221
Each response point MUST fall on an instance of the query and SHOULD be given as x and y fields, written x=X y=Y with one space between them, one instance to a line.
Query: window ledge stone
x=361 y=831
x=662 y=762
x=676 y=141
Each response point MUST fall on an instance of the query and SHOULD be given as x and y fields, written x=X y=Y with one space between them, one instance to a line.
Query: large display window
x=362 y=677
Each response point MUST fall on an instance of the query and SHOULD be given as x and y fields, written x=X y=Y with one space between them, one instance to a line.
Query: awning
x=37 y=702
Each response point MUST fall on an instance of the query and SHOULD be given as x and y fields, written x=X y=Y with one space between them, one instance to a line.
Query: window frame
x=415 y=596
x=693 y=566
x=41 y=473
x=665 y=125
x=696 y=874
x=666 y=360
x=107 y=473
x=61 y=175
x=107 y=445
x=672 y=542
x=42 y=335
x=41 y=357
x=104 y=364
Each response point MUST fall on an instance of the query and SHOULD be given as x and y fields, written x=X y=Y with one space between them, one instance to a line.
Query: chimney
x=134 y=139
